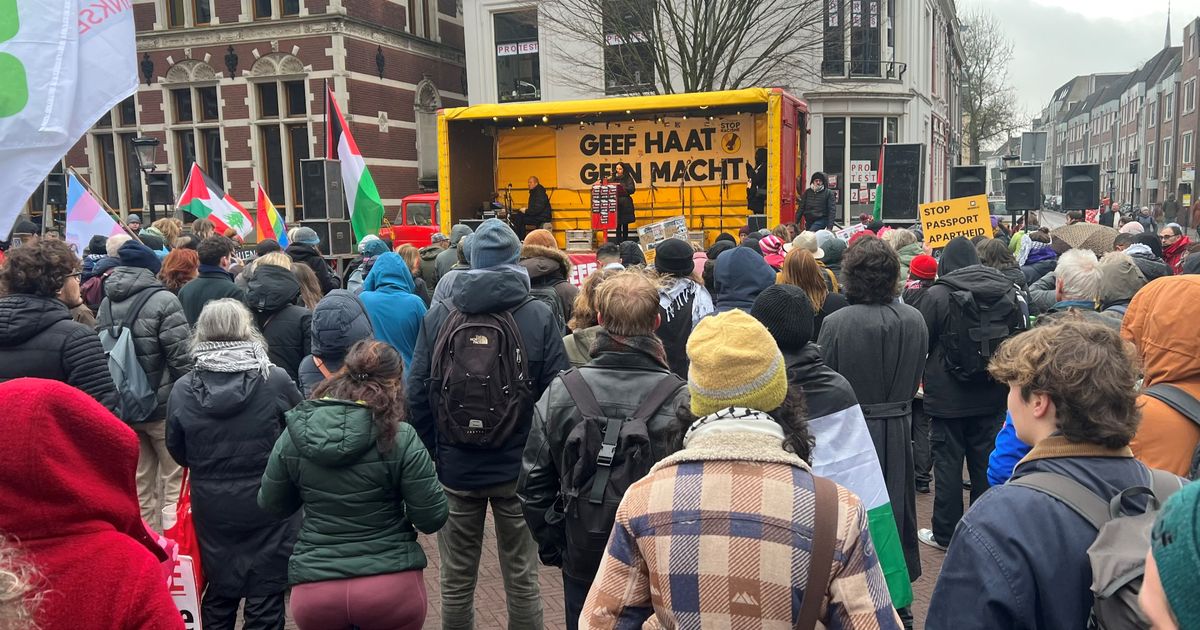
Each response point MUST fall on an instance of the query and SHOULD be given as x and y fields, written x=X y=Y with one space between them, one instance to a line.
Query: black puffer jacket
x=38 y=339
x=308 y=255
x=272 y=294
x=160 y=333
x=619 y=380
x=338 y=322
x=222 y=426
x=1150 y=265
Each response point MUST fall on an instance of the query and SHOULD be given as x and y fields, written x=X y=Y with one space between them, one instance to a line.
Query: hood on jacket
x=223 y=394
x=332 y=433
x=1191 y=264
x=986 y=284
x=1120 y=280
x=1160 y=322
x=389 y=274
x=959 y=253
x=835 y=249
x=134 y=254
x=271 y=288
x=66 y=466
x=301 y=252
x=125 y=281
x=24 y=316
x=338 y=322
x=459 y=231
x=740 y=275
x=542 y=262
x=490 y=290
x=908 y=252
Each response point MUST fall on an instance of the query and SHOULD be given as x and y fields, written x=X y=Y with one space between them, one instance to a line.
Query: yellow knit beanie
x=735 y=363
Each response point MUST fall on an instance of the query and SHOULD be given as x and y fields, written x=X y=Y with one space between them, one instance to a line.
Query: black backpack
x=976 y=329
x=547 y=295
x=603 y=457
x=479 y=378
x=1187 y=406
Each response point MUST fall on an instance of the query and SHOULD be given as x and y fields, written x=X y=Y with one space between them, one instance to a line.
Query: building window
x=283 y=140
x=418 y=18
x=184 y=13
x=267 y=9
x=116 y=177
x=196 y=131
x=834 y=61
x=834 y=155
x=518 y=63
x=1185 y=148
x=1166 y=155
x=628 y=52
x=1189 y=96
x=1168 y=107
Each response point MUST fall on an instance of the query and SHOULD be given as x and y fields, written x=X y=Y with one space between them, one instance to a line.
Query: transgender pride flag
x=85 y=217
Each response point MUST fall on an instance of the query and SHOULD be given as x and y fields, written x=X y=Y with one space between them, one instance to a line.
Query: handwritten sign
x=846 y=233
x=651 y=234
x=943 y=221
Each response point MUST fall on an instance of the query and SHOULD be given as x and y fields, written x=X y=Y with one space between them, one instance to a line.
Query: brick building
x=238 y=87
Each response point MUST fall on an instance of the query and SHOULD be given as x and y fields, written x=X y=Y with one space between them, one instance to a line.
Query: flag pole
x=103 y=204
x=328 y=126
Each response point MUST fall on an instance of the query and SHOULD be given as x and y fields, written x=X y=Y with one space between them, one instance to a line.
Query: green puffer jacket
x=362 y=508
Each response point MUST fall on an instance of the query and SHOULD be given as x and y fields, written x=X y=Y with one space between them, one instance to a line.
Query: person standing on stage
x=625 y=212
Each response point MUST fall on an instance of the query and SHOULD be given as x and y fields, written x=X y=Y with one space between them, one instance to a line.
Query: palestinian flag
x=362 y=198
x=205 y=199
x=269 y=221
x=877 y=210
x=844 y=453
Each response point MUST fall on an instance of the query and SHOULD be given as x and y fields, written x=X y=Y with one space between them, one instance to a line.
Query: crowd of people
x=730 y=437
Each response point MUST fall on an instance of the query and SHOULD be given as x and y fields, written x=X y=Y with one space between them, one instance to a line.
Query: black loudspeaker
x=160 y=189
x=756 y=222
x=321 y=190
x=903 y=181
x=1023 y=188
x=56 y=189
x=337 y=237
x=1081 y=187
x=967 y=181
x=472 y=223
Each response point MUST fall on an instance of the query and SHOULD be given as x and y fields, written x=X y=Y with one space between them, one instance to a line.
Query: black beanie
x=719 y=247
x=787 y=312
x=725 y=236
x=674 y=257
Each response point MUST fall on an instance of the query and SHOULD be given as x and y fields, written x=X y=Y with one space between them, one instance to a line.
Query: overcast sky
x=1055 y=40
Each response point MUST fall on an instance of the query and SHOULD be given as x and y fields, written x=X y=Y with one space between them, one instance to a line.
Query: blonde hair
x=412 y=258
x=18 y=581
x=278 y=259
x=800 y=269
x=899 y=238
x=310 y=287
x=171 y=229
x=628 y=304
x=584 y=313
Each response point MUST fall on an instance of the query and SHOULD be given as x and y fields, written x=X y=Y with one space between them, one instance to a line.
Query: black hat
x=25 y=226
x=819 y=177
x=718 y=247
x=787 y=312
x=725 y=236
x=674 y=256
x=266 y=246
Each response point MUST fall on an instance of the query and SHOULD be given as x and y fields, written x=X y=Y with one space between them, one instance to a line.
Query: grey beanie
x=307 y=236
x=494 y=244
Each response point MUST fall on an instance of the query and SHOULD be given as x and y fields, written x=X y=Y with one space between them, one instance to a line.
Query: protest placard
x=943 y=221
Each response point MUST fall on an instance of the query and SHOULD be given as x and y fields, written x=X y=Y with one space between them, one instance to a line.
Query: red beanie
x=923 y=267
x=859 y=235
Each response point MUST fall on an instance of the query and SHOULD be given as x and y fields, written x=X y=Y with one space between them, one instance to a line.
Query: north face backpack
x=976 y=329
x=603 y=457
x=548 y=296
x=137 y=397
x=479 y=378
x=1118 y=554
x=1185 y=405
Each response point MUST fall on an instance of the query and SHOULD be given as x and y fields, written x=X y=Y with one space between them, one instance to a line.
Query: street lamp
x=145 y=148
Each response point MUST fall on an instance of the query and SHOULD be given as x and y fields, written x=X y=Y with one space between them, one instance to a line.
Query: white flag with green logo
x=63 y=64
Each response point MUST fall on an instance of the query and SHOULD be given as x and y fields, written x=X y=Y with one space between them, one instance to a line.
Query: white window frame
x=1153 y=122
x=1166 y=154
x=1185 y=148
x=292 y=201
x=189 y=18
x=1189 y=96
x=1168 y=108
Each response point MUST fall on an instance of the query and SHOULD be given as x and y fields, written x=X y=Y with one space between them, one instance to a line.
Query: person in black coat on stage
x=537 y=213
x=625 y=210
x=223 y=419
x=37 y=337
x=817 y=205
x=756 y=190
x=273 y=294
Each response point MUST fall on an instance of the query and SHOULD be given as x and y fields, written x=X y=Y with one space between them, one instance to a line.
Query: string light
x=545 y=119
x=520 y=119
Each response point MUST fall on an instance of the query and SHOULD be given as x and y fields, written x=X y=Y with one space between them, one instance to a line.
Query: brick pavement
x=491 y=614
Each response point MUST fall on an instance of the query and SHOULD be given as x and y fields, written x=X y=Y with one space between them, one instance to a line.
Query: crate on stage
x=579 y=240
x=604 y=205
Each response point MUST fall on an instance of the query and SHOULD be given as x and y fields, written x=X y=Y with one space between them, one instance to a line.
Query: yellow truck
x=691 y=155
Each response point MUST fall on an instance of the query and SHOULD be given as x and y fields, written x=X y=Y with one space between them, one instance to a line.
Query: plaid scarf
x=647 y=345
x=232 y=356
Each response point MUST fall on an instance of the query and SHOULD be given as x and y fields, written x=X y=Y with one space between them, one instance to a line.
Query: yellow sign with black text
x=943 y=221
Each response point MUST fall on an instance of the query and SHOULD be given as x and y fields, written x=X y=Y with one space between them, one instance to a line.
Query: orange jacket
x=1161 y=323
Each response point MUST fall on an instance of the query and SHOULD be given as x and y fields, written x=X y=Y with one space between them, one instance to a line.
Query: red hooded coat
x=68 y=498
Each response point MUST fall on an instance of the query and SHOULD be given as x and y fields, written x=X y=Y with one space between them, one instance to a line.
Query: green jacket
x=362 y=508
x=907 y=254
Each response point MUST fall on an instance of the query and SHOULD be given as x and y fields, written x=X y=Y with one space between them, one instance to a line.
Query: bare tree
x=989 y=100
x=668 y=46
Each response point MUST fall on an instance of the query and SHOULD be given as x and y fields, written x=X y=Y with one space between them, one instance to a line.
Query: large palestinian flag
x=205 y=199
x=843 y=452
x=362 y=198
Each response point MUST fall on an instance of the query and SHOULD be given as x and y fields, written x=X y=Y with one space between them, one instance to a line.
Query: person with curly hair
x=879 y=345
x=19 y=592
x=180 y=267
x=367 y=485
x=38 y=337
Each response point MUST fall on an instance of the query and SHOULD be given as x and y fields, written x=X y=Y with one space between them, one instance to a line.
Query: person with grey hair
x=223 y=419
x=1077 y=286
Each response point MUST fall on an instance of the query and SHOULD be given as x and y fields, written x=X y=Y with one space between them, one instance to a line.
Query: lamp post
x=145 y=148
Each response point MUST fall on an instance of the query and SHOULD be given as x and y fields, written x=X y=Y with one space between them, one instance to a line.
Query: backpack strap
x=824 y=542
x=139 y=301
x=1070 y=493
x=321 y=366
x=1176 y=399
x=1164 y=484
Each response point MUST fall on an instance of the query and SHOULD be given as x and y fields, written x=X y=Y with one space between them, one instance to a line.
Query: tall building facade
x=878 y=71
x=237 y=86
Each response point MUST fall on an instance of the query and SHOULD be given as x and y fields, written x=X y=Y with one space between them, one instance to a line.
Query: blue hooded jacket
x=740 y=275
x=395 y=312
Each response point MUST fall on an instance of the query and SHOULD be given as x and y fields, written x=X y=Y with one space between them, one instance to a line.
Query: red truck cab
x=417 y=221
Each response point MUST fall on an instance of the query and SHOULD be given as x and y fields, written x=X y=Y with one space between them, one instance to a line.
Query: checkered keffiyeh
x=719 y=536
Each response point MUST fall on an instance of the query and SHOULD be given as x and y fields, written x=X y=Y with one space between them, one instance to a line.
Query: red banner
x=582 y=266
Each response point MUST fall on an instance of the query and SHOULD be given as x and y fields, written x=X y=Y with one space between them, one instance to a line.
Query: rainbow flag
x=268 y=221
x=86 y=217
x=205 y=199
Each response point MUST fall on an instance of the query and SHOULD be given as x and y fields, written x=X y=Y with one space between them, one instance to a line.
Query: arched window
x=280 y=110
x=194 y=120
